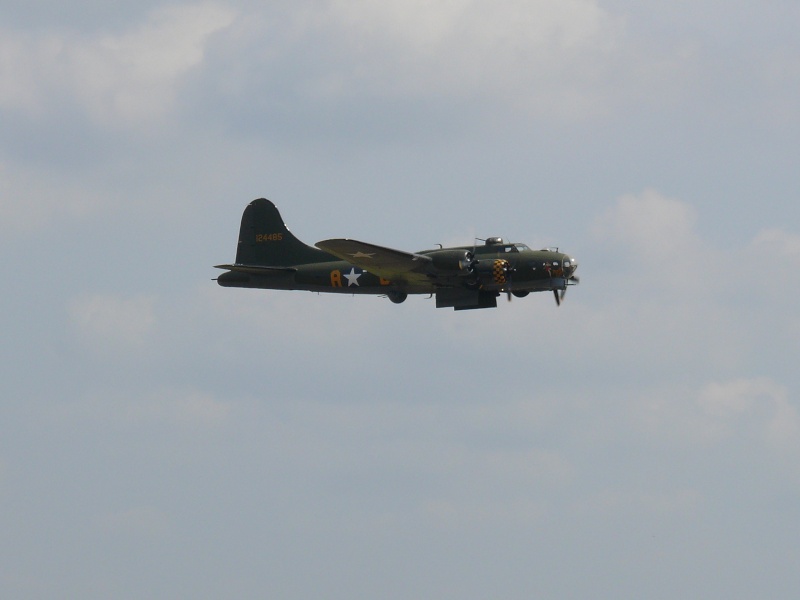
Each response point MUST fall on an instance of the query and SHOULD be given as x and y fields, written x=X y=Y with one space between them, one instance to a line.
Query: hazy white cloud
x=540 y=55
x=22 y=60
x=122 y=78
x=758 y=414
x=779 y=245
x=107 y=320
x=743 y=405
x=618 y=501
x=31 y=200
x=773 y=256
x=661 y=236
x=275 y=317
x=669 y=299
x=468 y=512
x=651 y=227
x=428 y=28
x=543 y=58
x=186 y=407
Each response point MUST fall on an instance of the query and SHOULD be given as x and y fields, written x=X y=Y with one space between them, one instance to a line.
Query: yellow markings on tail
x=336 y=278
x=268 y=237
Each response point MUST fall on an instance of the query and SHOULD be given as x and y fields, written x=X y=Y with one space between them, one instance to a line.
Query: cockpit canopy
x=514 y=248
x=502 y=246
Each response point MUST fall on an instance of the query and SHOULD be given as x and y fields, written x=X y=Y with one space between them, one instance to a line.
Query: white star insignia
x=352 y=277
x=360 y=254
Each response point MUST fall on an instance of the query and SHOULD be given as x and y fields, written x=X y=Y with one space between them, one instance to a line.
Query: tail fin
x=264 y=239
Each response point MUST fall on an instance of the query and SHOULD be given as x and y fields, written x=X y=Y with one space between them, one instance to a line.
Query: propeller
x=560 y=296
x=571 y=279
x=507 y=271
x=472 y=262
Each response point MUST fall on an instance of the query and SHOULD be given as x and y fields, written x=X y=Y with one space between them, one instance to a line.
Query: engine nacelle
x=492 y=274
x=454 y=260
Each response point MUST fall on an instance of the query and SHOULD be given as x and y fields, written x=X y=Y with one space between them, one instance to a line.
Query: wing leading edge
x=385 y=262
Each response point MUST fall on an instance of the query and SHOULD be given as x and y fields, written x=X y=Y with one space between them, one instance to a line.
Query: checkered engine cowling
x=493 y=274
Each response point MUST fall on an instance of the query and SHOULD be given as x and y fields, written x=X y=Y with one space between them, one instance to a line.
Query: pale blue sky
x=163 y=437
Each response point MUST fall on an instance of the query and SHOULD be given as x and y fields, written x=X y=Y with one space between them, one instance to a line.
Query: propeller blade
x=508 y=272
x=558 y=299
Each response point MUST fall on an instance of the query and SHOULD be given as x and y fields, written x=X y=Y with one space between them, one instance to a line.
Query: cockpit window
x=521 y=247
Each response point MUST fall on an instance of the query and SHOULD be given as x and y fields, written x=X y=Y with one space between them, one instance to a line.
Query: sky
x=163 y=437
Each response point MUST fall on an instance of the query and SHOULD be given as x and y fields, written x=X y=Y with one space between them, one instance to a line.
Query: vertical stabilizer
x=265 y=240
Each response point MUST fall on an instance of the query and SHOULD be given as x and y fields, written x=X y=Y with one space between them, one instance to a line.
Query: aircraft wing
x=384 y=262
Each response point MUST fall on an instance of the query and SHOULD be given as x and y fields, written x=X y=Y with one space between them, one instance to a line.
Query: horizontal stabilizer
x=257 y=269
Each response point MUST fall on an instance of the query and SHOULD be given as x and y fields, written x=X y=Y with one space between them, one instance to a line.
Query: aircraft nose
x=570 y=265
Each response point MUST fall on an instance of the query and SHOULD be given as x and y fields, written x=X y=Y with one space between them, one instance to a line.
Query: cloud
x=125 y=406
x=108 y=320
x=31 y=200
x=283 y=319
x=784 y=247
x=458 y=513
x=428 y=29
x=745 y=406
x=657 y=233
x=673 y=304
x=750 y=414
x=539 y=59
x=187 y=407
x=666 y=287
x=125 y=78
x=628 y=502
x=773 y=256
x=535 y=55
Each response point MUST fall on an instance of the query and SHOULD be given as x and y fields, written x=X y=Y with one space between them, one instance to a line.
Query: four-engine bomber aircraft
x=270 y=257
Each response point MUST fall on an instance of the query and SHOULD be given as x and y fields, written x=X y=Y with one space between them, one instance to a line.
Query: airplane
x=269 y=256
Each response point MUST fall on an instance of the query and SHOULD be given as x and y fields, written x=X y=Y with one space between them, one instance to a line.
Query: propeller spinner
x=570 y=265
